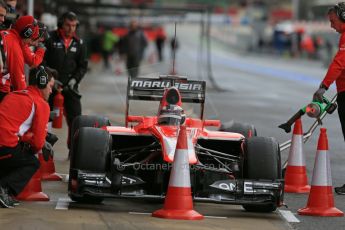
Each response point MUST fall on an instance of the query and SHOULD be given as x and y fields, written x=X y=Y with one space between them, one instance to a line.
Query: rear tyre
x=261 y=161
x=247 y=130
x=92 y=153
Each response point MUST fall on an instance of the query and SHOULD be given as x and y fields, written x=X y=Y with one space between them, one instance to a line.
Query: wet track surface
x=258 y=89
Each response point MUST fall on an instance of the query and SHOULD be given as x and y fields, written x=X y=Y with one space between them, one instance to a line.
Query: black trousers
x=2 y=95
x=17 y=166
x=72 y=107
x=341 y=110
x=160 y=45
x=132 y=65
x=106 y=54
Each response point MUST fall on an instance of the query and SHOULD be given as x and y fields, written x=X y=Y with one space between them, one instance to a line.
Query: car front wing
x=234 y=191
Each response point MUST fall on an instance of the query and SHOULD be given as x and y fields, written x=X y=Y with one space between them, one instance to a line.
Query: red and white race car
x=231 y=166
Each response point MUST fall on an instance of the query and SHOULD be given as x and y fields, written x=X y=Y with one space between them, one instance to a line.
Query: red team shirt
x=14 y=75
x=33 y=59
x=336 y=70
x=32 y=118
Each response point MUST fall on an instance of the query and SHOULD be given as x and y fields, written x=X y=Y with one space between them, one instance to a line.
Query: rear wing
x=152 y=89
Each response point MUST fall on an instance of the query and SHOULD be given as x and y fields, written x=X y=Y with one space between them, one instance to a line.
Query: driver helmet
x=171 y=115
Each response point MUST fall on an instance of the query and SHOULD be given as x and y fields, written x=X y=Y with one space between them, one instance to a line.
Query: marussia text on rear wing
x=151 y=89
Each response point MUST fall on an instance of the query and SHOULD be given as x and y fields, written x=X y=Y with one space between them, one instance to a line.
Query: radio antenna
x=174 y=52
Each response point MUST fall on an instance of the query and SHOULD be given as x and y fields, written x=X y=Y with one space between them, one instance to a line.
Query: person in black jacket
x=132 y=46
x=66 y=53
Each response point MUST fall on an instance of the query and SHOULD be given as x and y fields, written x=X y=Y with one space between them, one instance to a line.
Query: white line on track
x=63 y=204
x=140 y=213
x=289 y=216
x=216 y=217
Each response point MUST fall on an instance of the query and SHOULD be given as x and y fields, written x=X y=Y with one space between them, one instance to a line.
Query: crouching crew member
x=67 y=54
x=23 y=128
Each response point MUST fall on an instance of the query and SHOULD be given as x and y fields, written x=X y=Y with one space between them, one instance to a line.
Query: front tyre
x=81 y=121
x=92 y=154
x=261 y=161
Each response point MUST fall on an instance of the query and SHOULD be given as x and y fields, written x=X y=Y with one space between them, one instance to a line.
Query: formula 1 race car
x=232 y=166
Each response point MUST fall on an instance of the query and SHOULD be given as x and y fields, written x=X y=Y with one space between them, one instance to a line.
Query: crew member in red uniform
x=24 y=117
x=32 y=58
x=336 y=70
x=34 y=52
x=25 y=30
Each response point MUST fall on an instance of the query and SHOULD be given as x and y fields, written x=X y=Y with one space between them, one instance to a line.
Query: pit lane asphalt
x=265 y=100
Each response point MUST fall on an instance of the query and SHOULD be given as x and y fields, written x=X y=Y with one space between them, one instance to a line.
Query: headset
x=29 y=30
x=41 y=77
x=67 y=15
x=340 y=10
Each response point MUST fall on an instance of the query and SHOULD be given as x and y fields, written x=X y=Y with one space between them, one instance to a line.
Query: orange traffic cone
x=296 y=180
x=33 y=190
x=321 y=201
x=48 y=169
x=178 y=201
